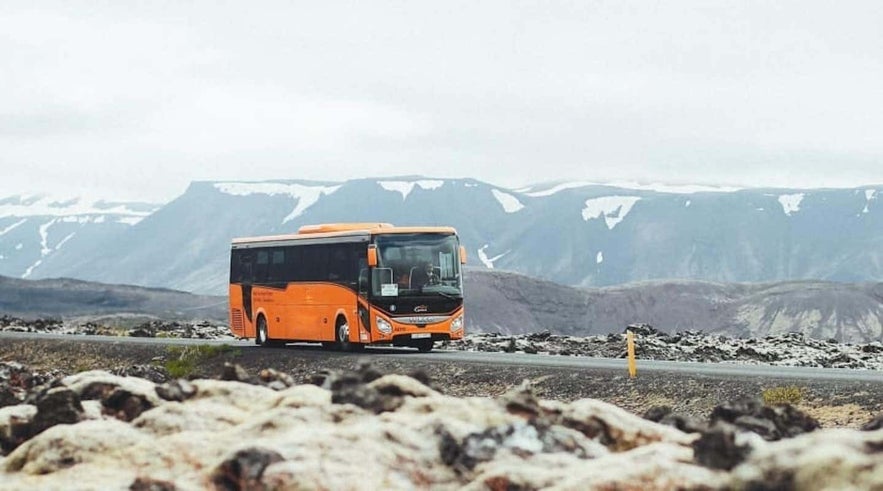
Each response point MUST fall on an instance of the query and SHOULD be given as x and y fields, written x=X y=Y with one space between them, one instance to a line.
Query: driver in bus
x=424 y=275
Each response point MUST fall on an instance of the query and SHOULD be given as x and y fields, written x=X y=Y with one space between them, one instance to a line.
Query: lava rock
x=874 y=424
x=275 y=379
x=236 y=373
x=17 y=431
x=153 y=373
x=717 y=448
x=644 y=330
x=522 y=439
x=770 y=422
x=149 y=484
x=58 y=405
x=244 y=469
x=125 y=405
x=176 y=390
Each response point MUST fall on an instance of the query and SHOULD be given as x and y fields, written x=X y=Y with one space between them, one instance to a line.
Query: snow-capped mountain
x=574 y=233
x=34 y=229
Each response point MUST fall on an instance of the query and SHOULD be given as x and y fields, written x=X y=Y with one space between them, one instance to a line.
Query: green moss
x=183 y=360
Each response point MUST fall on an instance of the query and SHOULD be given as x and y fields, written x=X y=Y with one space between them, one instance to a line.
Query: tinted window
x=262 y=266
x=339 y=263
x=241 y=266
x=292 y=263
x=314 y=263
x=277 y=266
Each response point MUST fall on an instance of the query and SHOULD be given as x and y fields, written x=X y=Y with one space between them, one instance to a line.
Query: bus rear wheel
x=343 y=337
x=261 y=338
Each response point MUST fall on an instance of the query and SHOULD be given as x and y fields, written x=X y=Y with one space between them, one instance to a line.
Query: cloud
x=742 y=93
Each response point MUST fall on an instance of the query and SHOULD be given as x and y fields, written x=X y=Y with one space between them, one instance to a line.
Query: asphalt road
x=403 y=355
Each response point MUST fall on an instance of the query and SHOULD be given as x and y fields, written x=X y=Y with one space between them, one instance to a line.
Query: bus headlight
x=457 y=324
x=383 y=325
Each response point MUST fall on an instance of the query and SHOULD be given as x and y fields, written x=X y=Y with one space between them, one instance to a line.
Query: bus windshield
x=420 y=264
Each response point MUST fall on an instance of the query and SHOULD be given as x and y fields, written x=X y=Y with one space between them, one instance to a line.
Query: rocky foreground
x=363 y=429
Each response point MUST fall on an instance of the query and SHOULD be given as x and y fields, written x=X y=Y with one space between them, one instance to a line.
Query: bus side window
x=242 y=272
x=235 y=266
x=277 y=266
x=292 y=264
x=315 y=263
x=338 y=264
x=262 y=267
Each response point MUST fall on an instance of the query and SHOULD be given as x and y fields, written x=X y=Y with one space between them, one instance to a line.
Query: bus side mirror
x=372 y=255
x=462 y=255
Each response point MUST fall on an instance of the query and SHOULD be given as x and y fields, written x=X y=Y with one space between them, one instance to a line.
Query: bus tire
x=342 y=333
x=261 y=337
x=424 y=345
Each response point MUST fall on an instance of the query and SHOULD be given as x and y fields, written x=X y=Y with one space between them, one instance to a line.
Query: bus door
x=246 y=265
x=362 y=311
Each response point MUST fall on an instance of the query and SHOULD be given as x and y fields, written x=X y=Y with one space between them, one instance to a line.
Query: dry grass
x=791 y=394
x=840 y=416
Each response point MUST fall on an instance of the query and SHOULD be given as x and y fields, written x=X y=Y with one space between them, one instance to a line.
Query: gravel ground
x=848 y=404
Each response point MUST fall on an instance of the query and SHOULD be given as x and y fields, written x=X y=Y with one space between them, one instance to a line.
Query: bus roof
x=345 y=230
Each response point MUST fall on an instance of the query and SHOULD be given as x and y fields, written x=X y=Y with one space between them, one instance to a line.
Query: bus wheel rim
x=344 y=332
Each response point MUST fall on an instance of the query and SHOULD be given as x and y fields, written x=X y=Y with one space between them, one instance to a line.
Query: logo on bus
x=421 y=308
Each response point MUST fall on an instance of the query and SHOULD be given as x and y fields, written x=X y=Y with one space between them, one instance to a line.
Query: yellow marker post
x=630 y=341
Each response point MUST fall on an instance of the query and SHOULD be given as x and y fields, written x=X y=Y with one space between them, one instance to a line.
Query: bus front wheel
x=343 y=337
x=261 y=338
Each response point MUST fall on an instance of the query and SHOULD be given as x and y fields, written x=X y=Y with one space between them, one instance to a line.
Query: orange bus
x=348 y=285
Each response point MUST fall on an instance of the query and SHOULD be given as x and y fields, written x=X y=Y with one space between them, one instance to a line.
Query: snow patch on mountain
x=509 y=203
x=13 y=226
x=612 y=208
x=430 y=184
x=398 y=186
x=687 y=204
x=44 y=247
x=869 y=195
x=31 y=268
x=637 y=186
x=599 y=258
x=488 y=262
x=671 y=188
x=791 y=202
x=86 y=219
x=40 y=205
x=405 y=187
x=44 y=238
x=69 y=236
x=306 y=196
x=558 y=188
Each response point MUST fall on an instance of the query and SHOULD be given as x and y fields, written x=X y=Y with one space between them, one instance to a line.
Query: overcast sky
x=133 y=100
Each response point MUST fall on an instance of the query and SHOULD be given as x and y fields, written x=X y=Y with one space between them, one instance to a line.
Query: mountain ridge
x=578 y=234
